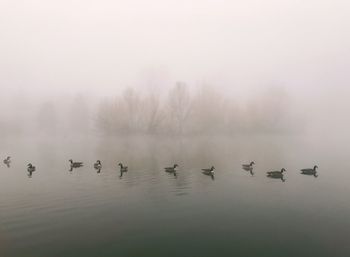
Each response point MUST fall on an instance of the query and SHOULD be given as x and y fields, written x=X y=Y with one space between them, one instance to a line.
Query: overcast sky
x=238 y=45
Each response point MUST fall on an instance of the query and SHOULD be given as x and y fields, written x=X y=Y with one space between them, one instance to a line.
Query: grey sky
x=69 y=46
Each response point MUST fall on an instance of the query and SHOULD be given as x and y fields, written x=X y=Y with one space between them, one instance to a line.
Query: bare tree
x=152 y=113
x=208 y=111
x=179 y=103
x=132 y=106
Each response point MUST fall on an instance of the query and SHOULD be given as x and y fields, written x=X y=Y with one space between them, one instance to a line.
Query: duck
x=75 y=164
x=248 y=166
x=122 y=167
x=7 y=160
x=98 y=165
x=171 y=169
x=30 y=168
x=209 y=172
x=310 y=171
x=276 y=174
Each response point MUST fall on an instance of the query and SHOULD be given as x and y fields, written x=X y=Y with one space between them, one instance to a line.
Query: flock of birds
x=209 y=171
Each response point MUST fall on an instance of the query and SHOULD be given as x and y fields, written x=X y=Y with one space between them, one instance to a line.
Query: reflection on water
x=250 y=169
x=276 y=176
x=210 y=175
x=121 y=174
x=87 y=212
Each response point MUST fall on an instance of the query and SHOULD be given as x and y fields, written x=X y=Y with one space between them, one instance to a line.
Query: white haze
x=54 y=51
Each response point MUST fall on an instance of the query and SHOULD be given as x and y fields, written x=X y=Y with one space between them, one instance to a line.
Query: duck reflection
x=250 y=169
x=174 y=173
x=210 y=175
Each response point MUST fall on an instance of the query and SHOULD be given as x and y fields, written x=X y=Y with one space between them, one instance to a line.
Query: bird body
x=75 y=164
x=208 y=171
x=7 y=160
x=97 y=165
x=310 y=171
x=248 y=166
x=171 y=169
x=30 y=168
x=276 y=174
x=123 y=168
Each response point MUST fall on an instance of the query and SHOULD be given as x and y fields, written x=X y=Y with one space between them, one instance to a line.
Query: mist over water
x=157 y=83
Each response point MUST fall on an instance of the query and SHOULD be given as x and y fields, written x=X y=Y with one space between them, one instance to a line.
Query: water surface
x=148 y=212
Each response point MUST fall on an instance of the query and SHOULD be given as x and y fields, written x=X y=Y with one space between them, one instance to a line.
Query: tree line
x=181 y=111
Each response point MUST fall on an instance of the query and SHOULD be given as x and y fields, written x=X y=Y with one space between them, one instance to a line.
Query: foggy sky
x=99 y=47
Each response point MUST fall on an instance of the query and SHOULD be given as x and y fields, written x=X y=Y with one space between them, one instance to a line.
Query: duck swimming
x=276 y=174
x=310 y=171
x=30 y=168
x=248 y=166
x=97 y=165
x=75 y=164
x=171 y=169
x=7 y=160
x=122 y=167
x=209 y=172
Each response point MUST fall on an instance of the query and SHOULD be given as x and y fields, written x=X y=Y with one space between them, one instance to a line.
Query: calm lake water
x=149 y=212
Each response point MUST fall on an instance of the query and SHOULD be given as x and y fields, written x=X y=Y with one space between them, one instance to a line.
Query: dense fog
x=188 y=68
